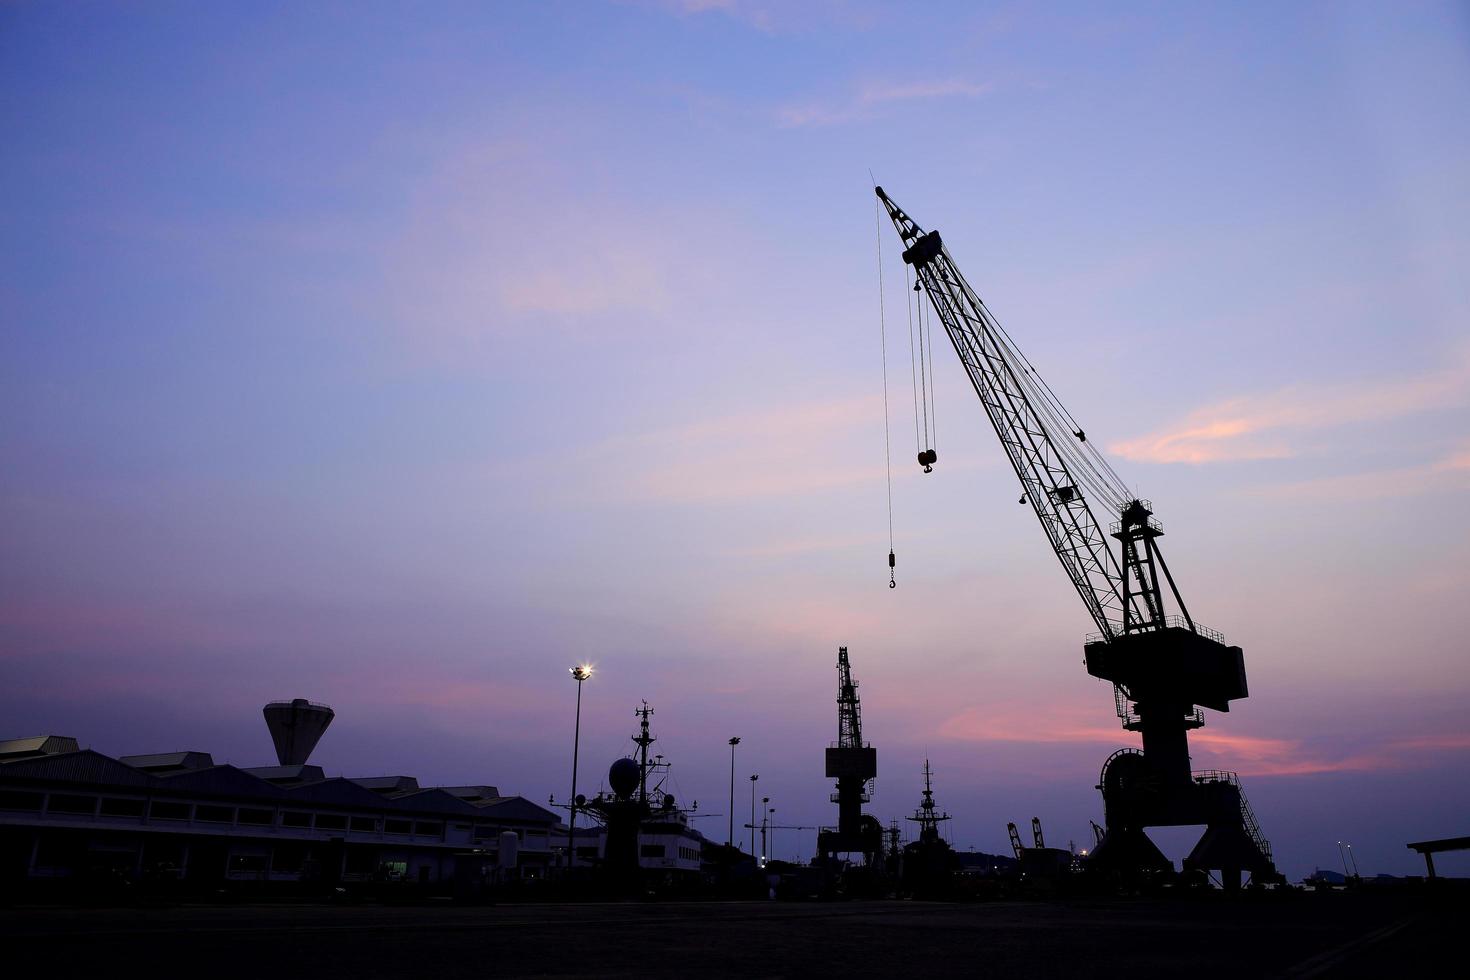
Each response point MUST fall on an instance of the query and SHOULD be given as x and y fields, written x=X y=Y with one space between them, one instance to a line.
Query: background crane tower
x=1162 y=666
x=853 y=764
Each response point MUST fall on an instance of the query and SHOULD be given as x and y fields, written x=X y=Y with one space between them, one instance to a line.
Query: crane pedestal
x=1166 y=672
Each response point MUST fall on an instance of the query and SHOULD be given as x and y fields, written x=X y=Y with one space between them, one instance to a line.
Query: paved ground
x=1296 y=935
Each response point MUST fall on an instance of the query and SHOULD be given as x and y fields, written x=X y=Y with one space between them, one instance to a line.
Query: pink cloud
x=1248 y=755
x=994 y=723
x=1269 y=425
x=1451 y=472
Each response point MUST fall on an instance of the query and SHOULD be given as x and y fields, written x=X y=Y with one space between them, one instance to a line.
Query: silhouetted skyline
x=401 y=359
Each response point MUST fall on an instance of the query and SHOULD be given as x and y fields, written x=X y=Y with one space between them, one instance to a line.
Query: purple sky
x=400 y=359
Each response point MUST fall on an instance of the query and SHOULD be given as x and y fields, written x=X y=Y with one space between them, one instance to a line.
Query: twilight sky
x=400 y=358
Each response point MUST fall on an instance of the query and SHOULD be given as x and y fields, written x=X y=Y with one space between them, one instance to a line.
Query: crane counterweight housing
x=1162 y=665
x=1172 y=662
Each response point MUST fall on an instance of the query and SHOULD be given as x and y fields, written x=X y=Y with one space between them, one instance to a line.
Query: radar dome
x=622 y=776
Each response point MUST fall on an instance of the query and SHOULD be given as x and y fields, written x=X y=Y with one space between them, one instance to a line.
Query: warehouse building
x=73 y=815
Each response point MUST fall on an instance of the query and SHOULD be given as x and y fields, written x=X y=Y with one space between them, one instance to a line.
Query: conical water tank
x=296 y=726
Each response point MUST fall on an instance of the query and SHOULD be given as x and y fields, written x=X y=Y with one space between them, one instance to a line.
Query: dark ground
x=1289 y=935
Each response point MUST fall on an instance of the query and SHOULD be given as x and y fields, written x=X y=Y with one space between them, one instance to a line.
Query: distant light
x=582 y=671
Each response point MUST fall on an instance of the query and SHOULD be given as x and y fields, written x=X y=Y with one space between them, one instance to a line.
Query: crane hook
x=892 y=583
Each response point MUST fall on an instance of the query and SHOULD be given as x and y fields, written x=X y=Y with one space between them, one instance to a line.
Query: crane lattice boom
x=1058 y=469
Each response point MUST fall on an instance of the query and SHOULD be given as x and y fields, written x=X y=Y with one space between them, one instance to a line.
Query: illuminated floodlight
x=581 y=672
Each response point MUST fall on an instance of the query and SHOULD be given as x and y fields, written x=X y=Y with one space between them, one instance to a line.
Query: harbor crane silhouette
x=1163 y=666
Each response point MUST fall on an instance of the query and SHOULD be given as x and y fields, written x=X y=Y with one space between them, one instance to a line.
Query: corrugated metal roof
x=85 y=766
x=168 y=760
x=518 y=808
x=97 y=771
x=433 y=801
x=472 y=794
x=222 y=781
x=387 y=784
x=287 y=774
x=338 y=791
x=19 y=748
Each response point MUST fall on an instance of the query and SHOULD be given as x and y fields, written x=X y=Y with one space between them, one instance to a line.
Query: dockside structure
x=68 y=813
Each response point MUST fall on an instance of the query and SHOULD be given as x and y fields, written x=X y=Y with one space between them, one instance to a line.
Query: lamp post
x=752 y=815
x=579 y=674
x=765 y=821
x=730 y=836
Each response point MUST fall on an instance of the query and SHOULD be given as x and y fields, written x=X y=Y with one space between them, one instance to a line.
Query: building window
x=122 y=808
x=256 y=818
x=366 y=825
x=360 y=860
x=652 y=850
x=429 y=829
x=13 y=800
x=61 y=803
x=215 y=814
x=288 y=858
x=397 y=827
x=331 y=821
x=247 y=863
x=292 y=818
x=165 y=810
x=63 y=851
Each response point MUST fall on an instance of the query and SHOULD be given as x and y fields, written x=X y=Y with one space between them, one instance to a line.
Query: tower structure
x=927 y=815
x=853 y=763
x=643 y=740
x=296 y=726
x=929 y=862
x=1162 y=667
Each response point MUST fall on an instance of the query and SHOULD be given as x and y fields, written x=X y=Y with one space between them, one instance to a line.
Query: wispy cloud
x=870 y=98
x=1210 y=748
x=804 y=545
x=502 y=238
x=764 y=453
x=1272 y=425
x=995 y=723
x=775 y=17
x=1450 y=473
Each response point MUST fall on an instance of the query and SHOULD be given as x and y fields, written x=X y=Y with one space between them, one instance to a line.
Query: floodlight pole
x=730 y=836
x=579 y=673
x=765 y=821
x=753 y=778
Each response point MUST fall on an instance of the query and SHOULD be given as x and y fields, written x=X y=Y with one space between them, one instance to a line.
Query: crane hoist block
x=1171 y=664
x=923 y=250
x=852 y=763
